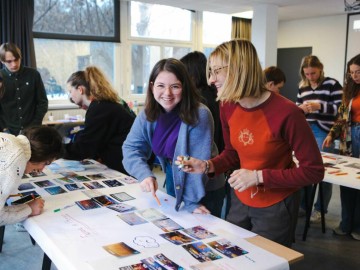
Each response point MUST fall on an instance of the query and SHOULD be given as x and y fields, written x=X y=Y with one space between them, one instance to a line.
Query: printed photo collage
x=71 y=181
x=191 y=240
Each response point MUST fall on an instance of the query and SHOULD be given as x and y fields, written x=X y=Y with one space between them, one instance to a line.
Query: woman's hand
x=190 y=164
x=201 y=210
x=149 y=184
x=242 y=179
x=36 y=206
x=327 y=142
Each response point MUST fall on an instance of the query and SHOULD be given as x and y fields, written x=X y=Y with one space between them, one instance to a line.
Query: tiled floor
x=322 y=251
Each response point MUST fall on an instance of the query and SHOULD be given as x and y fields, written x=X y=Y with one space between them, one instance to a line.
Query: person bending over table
x=173 y=123
x=261 y=130
x=347 y=129
x=37 y=147
x=107 y=120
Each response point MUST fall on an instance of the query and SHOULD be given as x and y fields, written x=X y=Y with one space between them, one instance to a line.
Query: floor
x=322 y=251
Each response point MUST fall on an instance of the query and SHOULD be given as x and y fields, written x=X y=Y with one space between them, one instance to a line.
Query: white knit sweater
x=15 y=152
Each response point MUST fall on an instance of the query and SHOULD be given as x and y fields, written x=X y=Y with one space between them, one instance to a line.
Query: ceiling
x=288 y=9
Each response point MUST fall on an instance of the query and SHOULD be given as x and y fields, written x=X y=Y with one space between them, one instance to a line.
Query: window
x=155 y=24
x=71 y=35
x=216 y=23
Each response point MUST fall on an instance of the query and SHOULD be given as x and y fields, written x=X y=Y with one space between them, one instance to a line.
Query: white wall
x=326 y=36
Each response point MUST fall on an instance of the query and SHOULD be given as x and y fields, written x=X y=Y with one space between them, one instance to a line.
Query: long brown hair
x=314 y=62
x=190 y=97
x=351 y=89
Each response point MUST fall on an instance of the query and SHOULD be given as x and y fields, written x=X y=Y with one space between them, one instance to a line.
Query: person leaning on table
x=261 y=130
x=347 y=129
x=37 y=147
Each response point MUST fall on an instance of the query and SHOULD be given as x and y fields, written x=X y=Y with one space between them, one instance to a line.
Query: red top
x=264 y=138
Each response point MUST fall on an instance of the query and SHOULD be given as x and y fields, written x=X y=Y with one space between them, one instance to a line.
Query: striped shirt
x=328 y=94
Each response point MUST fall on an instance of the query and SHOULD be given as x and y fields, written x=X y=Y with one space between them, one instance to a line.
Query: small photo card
x=199 y=232
x=87 y=204
x=112 y=183
x=25 y=186
x=44 y=183
x=132 y=219
x=120 y=249
x=122 y=196
x=75 y=186
x=104 y=200
x=97 y=176
x=226 y=248
x=201 y=252
x=177 y=238
x=93 y=185
x=167 y=225
x=121 y=207
x=55 y=190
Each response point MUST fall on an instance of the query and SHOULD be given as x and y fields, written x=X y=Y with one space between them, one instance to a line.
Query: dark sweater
x=106 y=127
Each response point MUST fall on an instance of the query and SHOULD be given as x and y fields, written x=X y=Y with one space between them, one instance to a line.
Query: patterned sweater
x=263 y=138
x=15 y=152
x=328 y=94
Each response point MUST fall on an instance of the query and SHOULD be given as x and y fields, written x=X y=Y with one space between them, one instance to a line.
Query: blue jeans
x=320 y=136
x=350 y=197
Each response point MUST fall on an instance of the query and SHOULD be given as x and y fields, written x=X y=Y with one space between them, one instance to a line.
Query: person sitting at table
x=107 y=121
x=261 y=130
x=173 y=123
x=347 y=129
x=37 y=147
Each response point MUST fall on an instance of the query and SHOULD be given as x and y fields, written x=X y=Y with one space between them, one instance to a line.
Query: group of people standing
x=244 y=132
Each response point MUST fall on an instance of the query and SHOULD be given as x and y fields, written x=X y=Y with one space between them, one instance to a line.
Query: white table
x=73 y=238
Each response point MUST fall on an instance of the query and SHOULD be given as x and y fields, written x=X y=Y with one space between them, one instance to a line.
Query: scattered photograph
x=128 y=180
x=37 y=174
x=132 y=219
x=25 y=186
x=167 y=225
x=87 y=204
x=120 y=249
x=97 y=176
x=112 y=183
x=75 y=186
x=93 y=185
x=122 y=196
x=86 y=162
x=55 y=190
x=44 y=183
x=63 y=180
x=137 y=266
x=177 y=238
x=151 y=214
x=165 y=261
x=121 y=207
x=152 y=264
x=201 y=252
x=226 y=248
x=198 y=232
x=104 y=200
x=80 y=178
x=33 y=192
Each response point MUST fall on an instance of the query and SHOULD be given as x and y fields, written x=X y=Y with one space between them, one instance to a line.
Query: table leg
x=46 y=262
x=32 y=240
x=308 y=211
x=322 y=207
x=2 y=232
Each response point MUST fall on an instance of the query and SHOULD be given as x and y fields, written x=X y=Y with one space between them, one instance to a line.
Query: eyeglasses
x=175 y=88
x=10 y=61
x=353 y=73
x=216 y=72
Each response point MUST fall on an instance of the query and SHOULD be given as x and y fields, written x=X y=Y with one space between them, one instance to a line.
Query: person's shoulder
x=329 y=80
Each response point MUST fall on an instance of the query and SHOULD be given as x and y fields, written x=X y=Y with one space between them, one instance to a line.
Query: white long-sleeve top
x=15 y=152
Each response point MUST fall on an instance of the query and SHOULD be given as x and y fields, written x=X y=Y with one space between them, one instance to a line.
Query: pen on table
x=62 y=208
x=14 y=195
x=341 y=173
x=157 y=199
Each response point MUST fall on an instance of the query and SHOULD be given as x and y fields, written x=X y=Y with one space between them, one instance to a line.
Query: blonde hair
x=245 y=76
x=97 y=86
x=314 y=62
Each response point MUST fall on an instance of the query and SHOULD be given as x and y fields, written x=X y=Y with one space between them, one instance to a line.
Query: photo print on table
x=113 y=183
x=226 y=248
x=33 y=192
x=63 y=180
x=104 y=200
x=132 y=219
x=25 y=186
x=137 y=266
x=75 y=186
x=151 y=214
x=167 y=225
x=177 y=238
x=120 y=249
x=55 y=190
x=97 y=176
x=121 y=207
x=128 y=180
x=122 y=196
x=37 y=174
x=44 y=183
x=165 y=261
x=93 y=185
x=201 y=252
x=199 y=232
x=87 y=204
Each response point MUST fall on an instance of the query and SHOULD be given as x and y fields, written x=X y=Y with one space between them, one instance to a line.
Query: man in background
x=275 y=79
x=24 y=102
